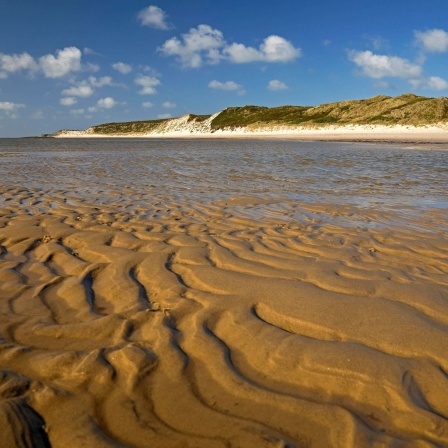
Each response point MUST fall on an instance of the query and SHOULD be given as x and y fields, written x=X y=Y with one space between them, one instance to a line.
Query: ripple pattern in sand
x=190 y=324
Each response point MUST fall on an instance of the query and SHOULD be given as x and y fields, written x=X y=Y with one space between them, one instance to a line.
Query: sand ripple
x=177 y=323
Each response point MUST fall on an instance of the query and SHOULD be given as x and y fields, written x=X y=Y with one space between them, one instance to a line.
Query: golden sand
x=199 y=326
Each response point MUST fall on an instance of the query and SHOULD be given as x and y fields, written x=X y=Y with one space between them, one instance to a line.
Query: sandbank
x=190 y=324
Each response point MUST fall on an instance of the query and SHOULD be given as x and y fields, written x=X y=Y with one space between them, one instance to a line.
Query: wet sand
x=203 y=324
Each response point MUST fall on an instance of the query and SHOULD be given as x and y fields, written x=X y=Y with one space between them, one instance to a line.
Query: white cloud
x=147 y=104
x=65 y=61
x=100 y=82
x=10 y=107
x=205 y=44
x=68 y=101
x=121 y=67
x=77 y=111
x=153 y=17
x=92 y=109
x=16 y=62
x=273 y=49
x=85 y=88
x=431 y=83
x=148 y=84
x=91 y=67
x=435 y=40
x=162 y=116
x=169 y=105
x=198 y=43
x=436 y=83
x=228 y=85
x=276 y=85
x=106 y=103
x=82 y=90
x=380 y=66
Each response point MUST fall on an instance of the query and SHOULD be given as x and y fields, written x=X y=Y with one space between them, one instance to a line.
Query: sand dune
x=184 y=324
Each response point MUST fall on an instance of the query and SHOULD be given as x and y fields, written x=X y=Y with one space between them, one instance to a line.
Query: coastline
x=350 y=133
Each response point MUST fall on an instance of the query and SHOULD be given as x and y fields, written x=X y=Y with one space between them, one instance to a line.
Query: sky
x=72 y=64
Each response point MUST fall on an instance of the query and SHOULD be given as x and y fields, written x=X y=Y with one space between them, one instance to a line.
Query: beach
x=223 y=294
x=182 y=128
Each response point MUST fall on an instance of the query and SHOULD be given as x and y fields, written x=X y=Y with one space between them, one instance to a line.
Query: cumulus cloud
x=10 y=107
x=15 y=63
x=162 y=116
x=435 y=40
x=147 y=104
x=273 y=49
x=68 y=101
x=380 y=66
x=106 y=103
x=228 y=85
x=276 y=85
x=431 y=83
x=205 y=44
x=148 y=84
x=82 y=89
x=169 y=105
x=91 y=67
x=100 y=82
x=66 y=61
x=121 y=67
x=199 y=43
x=154 y=17
x=86 y=88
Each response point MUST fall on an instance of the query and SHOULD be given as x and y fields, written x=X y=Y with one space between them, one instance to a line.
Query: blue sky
x=74 y=63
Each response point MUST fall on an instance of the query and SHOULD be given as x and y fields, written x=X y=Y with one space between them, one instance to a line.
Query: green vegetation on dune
x=407 y=109
x=404 y=109
x=234 y=117
x=126 y=127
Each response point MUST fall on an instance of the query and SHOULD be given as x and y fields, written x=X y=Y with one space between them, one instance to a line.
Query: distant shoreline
x=419 y=136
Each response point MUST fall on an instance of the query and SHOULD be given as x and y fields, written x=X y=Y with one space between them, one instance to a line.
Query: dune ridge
x=406 y=117
x=182 y=323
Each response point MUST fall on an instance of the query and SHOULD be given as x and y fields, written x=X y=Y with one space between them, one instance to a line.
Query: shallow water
x=365 y=175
